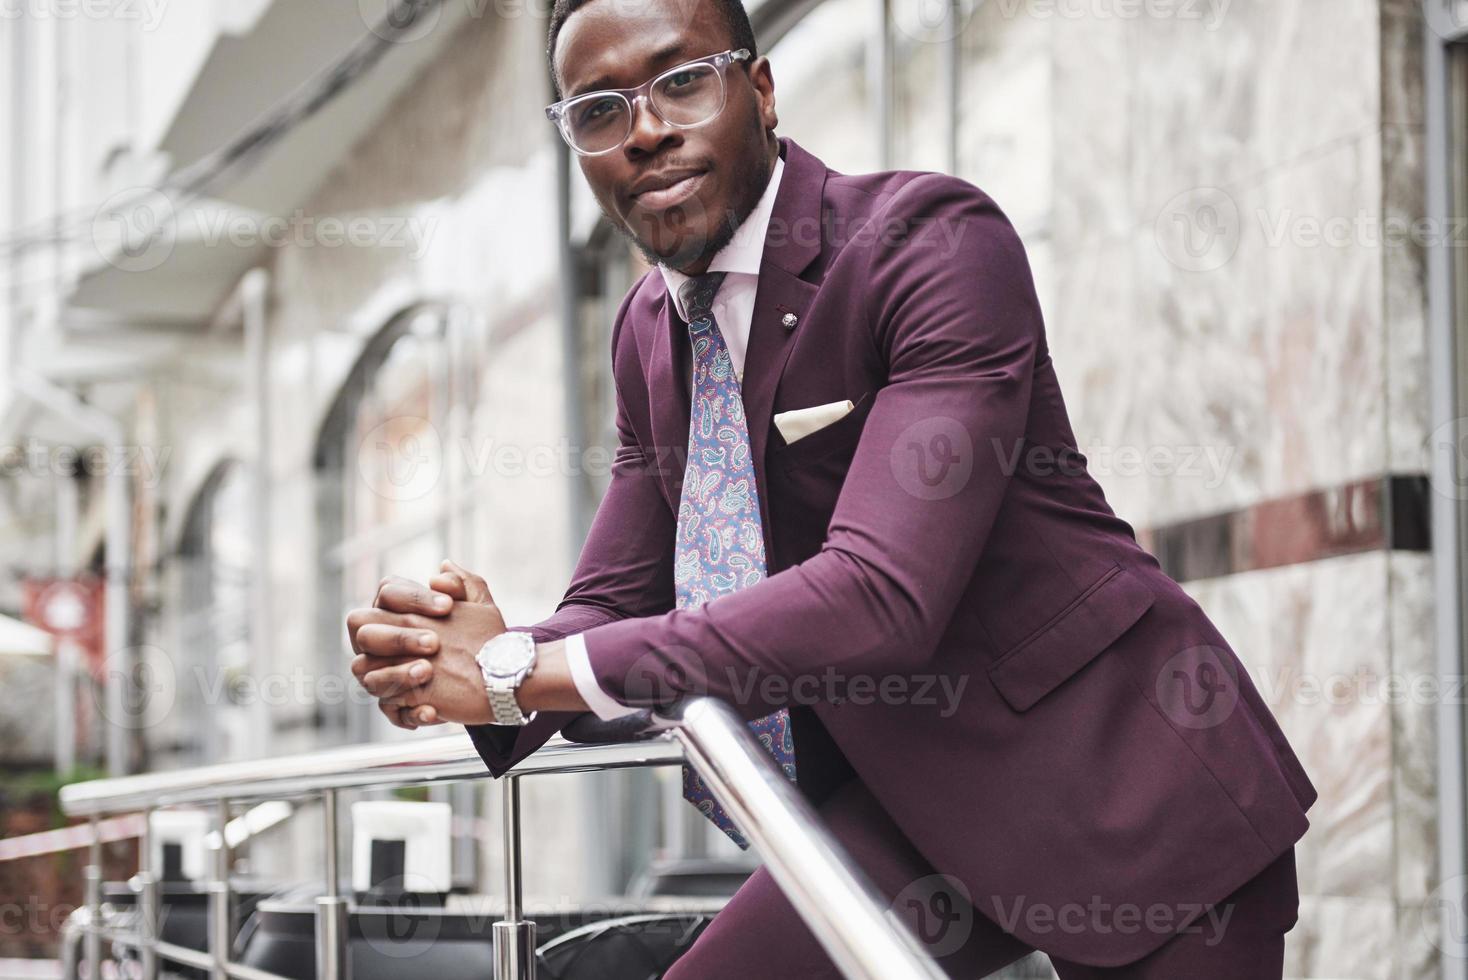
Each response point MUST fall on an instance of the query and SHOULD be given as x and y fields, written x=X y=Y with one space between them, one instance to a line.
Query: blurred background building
x=298 y=294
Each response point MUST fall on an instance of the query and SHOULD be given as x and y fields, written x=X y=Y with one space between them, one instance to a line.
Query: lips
x=665 y=191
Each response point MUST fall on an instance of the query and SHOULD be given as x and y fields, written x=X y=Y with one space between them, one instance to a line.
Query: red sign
x=69 y=609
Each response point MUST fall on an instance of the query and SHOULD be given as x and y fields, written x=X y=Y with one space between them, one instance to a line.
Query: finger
x=394 y=715
x=450 y=584
x=476 y=588
x=403 y=595
x=426 y=715
x=358 y=618
x=363 y=665
x=383 y=640
x=398 y=680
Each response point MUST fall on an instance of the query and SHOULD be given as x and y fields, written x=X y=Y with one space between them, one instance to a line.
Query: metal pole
x=68 y=509
x=117 y=623
x=840 y=906
x=92 y=886
x=220 y=932
x=1447 y=476
x=879 y=78
x=570 y=323
x=514 y=936
x=145 y=885
x=332 y=954
x=64 y=696
x=953 y=77
x=254 y=300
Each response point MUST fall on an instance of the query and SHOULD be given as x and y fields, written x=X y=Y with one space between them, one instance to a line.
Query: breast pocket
x=1072 y=638
x=836 y=440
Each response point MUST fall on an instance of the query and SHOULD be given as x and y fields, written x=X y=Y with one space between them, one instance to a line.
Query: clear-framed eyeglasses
x=685 y=96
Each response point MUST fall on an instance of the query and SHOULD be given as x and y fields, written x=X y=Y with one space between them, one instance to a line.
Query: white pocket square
x=801 y=422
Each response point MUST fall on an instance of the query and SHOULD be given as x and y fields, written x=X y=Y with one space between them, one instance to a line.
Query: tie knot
x=698 y=292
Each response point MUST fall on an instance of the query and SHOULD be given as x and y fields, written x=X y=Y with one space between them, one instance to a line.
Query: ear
x=762 y=77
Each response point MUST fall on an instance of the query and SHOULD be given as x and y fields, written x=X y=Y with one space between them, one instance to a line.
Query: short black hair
x=740 y=31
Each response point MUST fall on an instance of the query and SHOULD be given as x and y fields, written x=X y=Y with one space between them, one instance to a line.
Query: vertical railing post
x=145 y=884
x=221 y=935
x=92 y=886
x=332 y=954
x=514 y=936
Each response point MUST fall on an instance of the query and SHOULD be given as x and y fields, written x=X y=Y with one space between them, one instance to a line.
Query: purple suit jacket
x=1106 y=745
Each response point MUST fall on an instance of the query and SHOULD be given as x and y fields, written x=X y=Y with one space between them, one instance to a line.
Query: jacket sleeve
x=625 y=570
x=958 y=323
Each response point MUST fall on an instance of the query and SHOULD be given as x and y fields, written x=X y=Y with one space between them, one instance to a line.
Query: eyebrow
x=605 y=81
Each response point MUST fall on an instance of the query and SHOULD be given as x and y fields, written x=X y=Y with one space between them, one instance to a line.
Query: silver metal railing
x=840 y=906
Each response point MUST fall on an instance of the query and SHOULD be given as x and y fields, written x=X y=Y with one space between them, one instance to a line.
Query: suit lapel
x=668 y=383
x=791 y=243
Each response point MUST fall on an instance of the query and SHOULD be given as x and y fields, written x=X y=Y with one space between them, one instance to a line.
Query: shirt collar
x=745 y=250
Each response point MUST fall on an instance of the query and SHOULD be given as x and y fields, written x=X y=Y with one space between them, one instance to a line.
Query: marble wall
x=1207 y=203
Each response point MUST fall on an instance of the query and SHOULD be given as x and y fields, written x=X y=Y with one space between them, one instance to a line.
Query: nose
x=649 y=132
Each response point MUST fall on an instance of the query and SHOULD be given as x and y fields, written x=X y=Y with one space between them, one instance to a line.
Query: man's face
x=718 y=169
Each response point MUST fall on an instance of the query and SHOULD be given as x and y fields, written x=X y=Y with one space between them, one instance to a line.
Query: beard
x=750 y=173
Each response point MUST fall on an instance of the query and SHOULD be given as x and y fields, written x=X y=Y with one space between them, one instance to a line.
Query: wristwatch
x=506 y=660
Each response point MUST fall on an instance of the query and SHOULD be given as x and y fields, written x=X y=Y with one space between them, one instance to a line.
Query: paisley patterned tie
x=720 y=546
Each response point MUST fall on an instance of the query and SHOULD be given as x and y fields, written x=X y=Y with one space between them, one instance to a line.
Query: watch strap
x=505 y=708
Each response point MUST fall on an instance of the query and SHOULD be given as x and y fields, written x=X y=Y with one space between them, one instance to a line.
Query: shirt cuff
x=599 y=701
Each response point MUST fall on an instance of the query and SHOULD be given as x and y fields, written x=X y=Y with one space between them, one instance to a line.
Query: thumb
x=475 y=588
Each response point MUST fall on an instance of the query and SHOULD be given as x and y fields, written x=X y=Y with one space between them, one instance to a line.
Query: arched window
x=216 y=561
x=384 y=485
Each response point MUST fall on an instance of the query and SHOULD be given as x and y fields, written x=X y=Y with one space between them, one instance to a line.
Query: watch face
x=506 y=659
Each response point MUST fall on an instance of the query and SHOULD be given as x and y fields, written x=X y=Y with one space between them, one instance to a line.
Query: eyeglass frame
x=556 y=111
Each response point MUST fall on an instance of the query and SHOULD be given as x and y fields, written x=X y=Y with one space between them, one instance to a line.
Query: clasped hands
x=414 y=648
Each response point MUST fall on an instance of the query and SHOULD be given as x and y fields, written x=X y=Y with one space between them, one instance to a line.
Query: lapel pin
x=790 y=320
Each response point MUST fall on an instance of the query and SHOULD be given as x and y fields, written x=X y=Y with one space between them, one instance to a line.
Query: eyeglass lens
x=686 y=97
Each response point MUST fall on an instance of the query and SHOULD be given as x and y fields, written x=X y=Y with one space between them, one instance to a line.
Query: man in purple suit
x=847 y=500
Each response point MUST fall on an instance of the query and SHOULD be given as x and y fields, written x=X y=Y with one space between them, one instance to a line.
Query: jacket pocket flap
x=1090 y=624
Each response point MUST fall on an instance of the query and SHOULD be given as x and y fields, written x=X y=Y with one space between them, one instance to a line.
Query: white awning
x=181 y=287
x=23 y=639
